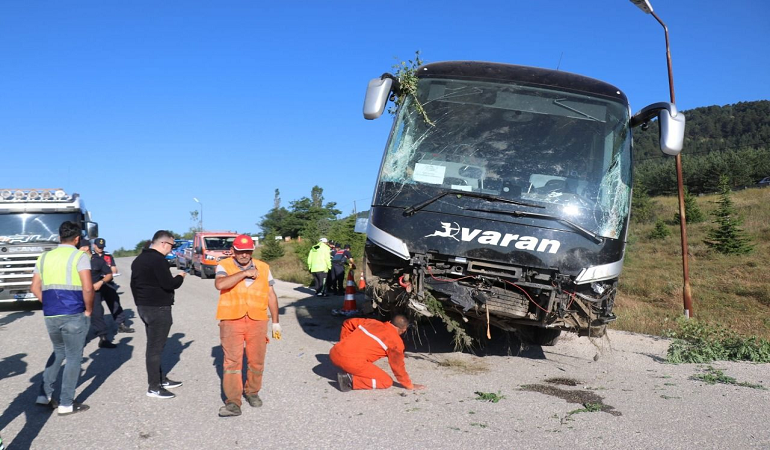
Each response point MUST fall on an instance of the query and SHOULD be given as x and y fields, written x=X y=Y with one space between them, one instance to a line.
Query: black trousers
x=98 y=325
x=337 y=279
x=157 y=321
x=113 y=303
x=319 y=278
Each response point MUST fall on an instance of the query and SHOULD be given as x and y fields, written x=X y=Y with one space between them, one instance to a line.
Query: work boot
x=345 y=382
x=104 y=343
x=230 y=410
x=123 y=328
x=254 y=400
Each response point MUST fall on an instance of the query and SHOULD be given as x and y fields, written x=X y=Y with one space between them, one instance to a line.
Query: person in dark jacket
x=153 y=288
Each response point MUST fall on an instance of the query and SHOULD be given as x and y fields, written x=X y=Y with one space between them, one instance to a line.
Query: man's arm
x=88 y=290
x=37 y=287
x=167 y=281
x=229 y=281
x=272 y=305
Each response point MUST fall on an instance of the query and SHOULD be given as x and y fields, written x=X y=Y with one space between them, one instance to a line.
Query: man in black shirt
x=100 y=275
x=153 y=288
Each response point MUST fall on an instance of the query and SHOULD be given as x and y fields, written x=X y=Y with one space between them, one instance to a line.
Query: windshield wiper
x=414 y=208
x=598 y=239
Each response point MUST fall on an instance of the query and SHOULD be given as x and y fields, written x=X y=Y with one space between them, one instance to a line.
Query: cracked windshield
x=565 y=154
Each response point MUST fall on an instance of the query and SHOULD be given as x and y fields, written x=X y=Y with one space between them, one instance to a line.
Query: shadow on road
x=326 y=369
x=13 y=365
x=14 y=316
x=428 y=335
x=35 y=415
x=172 y=352
x=104 y=362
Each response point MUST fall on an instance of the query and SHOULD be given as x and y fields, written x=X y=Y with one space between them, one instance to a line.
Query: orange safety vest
x=241 y=300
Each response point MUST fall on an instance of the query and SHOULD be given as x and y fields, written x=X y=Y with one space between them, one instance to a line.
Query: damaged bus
x=504 y=193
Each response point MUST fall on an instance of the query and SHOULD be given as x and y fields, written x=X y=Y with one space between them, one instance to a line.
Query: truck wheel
x=203 y=273
x=544 y=337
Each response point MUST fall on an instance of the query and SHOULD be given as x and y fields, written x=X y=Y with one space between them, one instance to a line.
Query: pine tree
x=727 y=237
x=692 y=213
x=642 y=206
x=660 y=231
x=271 y=249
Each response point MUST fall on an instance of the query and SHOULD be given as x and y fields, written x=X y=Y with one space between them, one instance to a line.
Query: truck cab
x=209 y=247
x=29 y=226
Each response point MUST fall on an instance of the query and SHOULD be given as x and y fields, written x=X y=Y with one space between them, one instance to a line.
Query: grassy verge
x=732 y=291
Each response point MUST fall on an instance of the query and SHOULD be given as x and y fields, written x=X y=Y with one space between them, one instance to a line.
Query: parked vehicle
x=179 y=246
x=208 y=248
x=184 y=256
x=764 y=182
x=29 y=226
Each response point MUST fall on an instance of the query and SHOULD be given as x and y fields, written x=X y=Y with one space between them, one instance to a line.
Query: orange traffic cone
x=349 y=306
x=361 y=282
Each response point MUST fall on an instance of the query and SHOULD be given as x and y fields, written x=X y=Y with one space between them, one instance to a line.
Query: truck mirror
x=377 y=93
x=92 y=230
x=671 y=124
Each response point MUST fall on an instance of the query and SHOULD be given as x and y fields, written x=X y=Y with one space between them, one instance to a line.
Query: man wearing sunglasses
x=153 y=288
x=245 y=294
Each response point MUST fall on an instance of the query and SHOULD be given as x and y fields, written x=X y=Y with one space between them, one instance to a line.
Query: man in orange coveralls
x=363 y=341
x=246 y=293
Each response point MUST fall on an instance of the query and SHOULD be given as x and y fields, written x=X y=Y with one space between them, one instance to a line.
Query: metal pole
x=686 y=292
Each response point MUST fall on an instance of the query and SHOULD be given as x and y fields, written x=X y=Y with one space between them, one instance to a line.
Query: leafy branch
x=406 y=74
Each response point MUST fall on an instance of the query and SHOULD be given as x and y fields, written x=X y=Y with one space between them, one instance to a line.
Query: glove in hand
x=277 y=331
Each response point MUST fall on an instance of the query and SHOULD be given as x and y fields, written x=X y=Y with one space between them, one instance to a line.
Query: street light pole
x=201 y=220
x=645 y=6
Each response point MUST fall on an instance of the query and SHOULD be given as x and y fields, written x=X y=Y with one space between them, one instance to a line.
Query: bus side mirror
x=671 y=124
x=92 y=230
x=377 y=93
x=671 y=132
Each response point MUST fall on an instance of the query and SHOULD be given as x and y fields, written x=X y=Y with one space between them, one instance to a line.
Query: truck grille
x=16 y=270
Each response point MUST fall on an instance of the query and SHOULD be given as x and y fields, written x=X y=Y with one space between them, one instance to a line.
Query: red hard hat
x=243 y=242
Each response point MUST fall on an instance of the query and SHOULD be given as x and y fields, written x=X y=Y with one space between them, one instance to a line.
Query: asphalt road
x=643 y=402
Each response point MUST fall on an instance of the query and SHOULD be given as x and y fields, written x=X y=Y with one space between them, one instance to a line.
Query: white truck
x=29 y=226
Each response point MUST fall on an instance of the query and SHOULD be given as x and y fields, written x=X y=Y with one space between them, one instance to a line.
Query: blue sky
x=140 y=106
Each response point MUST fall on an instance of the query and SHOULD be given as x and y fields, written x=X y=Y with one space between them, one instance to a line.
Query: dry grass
x=462 y=365
x=289 y=267
x=730 y=290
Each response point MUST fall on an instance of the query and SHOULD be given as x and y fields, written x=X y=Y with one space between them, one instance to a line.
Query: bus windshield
x=566 y=154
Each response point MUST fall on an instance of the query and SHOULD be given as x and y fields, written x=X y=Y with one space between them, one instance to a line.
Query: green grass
x=732 y=291
x=714 y=376
x=699 y=342
x=489 y=396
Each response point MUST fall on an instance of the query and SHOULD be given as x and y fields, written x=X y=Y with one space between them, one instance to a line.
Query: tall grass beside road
x=289 y=267
x=729 y=290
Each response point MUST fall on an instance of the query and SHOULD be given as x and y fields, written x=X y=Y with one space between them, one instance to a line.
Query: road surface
x=634 y=399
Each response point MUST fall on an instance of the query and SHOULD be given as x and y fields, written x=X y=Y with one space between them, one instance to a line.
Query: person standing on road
x=100 y=275
x=340 y=258
x=246 y=293
x=319 y=261
x=62 y=281
x=110 y=293
x=153 y=288
x=363 y=341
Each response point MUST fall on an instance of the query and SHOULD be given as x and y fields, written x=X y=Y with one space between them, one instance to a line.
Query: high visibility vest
x=62 y=288
x=241 y=300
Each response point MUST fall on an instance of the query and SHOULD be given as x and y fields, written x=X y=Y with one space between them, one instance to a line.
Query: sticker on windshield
x=428 y=173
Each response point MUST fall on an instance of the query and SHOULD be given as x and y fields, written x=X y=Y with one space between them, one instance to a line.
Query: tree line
x=731 y=141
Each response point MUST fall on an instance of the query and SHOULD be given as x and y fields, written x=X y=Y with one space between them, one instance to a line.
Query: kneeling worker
x=246 y=293
x=363 y=341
